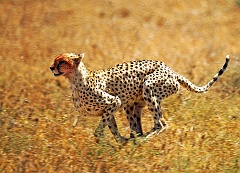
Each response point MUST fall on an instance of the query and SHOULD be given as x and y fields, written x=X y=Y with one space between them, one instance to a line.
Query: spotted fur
x=130 y=85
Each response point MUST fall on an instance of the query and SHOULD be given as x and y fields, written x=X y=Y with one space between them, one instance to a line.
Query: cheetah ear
x=81 y=56
x=76 y=58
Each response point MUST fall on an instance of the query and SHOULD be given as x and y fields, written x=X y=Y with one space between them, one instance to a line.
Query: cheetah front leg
x=112 y=103
x=134 y=114
x=99 y=130
x=109 y=120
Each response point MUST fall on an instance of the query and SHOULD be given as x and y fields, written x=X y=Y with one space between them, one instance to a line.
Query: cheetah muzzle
x=130 y=85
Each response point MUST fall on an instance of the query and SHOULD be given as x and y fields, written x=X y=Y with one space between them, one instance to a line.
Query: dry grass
x=36 y=111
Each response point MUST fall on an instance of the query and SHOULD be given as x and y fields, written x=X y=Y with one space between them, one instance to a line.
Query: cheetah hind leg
x=160 y=124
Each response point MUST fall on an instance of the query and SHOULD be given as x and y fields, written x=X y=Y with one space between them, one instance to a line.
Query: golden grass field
x=36 y=110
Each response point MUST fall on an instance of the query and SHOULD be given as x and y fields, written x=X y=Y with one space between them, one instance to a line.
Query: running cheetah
x=130 y=85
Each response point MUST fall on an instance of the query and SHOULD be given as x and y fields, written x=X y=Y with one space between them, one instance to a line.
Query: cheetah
x=130 y=85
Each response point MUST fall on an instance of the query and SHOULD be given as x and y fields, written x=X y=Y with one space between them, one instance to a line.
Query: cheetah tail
x=191 y=87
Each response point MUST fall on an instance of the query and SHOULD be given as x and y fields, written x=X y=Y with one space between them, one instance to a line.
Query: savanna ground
x=36 y=111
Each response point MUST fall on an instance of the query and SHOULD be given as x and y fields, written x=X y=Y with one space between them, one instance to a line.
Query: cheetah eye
x=61 y=62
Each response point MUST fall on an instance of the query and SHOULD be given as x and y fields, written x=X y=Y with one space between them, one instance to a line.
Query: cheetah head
x=65 y=63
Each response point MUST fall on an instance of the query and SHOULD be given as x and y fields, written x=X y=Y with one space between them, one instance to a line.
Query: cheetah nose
x=52 y=68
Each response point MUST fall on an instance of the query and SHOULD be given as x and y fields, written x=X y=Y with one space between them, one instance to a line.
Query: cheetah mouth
x=59 y=74
x=56 y=72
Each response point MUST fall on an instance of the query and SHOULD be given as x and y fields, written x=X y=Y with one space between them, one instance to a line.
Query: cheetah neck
x=80 y=75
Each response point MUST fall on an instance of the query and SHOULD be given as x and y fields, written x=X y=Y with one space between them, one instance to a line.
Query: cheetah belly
x=90 y=109
x=90 y=112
